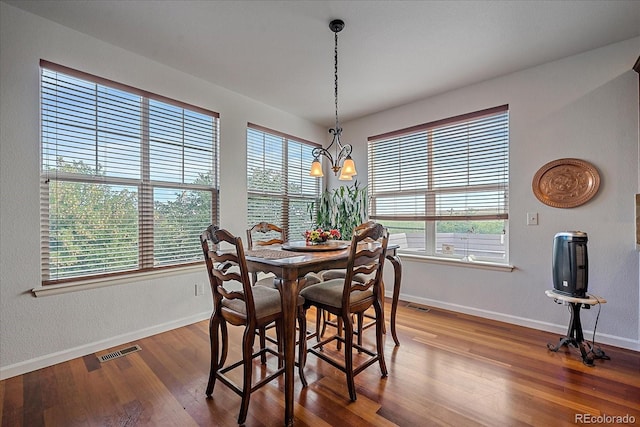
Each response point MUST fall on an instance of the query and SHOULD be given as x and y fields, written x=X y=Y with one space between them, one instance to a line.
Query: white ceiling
x=390 y=52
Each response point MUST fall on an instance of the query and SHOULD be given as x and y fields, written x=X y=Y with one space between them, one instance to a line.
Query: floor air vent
x=119 y=353
x=421 y=308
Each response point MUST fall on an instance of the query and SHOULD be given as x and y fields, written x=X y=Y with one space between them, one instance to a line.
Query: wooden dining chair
x=260 y=235
x=237 y=302
x=264 y=234
x=325 y=319
x=345 y=297
x=269 y=234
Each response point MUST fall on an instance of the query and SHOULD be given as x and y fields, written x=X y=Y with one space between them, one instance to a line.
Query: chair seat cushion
x=309 y=279
x=266 y=300
x=330 y=293
x=340 y=274
x=266 y=281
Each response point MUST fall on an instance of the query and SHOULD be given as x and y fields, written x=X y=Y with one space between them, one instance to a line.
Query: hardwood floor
x=449 y=370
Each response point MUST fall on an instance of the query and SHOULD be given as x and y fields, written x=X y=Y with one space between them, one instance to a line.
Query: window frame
x=283 y=193
x=425 y=181
x=145 y=182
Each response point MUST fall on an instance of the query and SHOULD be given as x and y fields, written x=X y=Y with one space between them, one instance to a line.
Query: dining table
x=290 y=262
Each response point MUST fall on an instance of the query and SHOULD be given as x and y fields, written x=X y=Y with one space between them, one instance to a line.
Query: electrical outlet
x=532 y=218
x=199 y=289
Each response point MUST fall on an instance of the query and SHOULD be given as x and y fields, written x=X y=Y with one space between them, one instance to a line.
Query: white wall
x=584 y=106
x=36 y=332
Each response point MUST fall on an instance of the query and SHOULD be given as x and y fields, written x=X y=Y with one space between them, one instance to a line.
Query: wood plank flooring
x=450 y=370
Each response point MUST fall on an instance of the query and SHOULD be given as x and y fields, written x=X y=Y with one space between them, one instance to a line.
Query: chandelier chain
x=335 y=56
x=342 y=152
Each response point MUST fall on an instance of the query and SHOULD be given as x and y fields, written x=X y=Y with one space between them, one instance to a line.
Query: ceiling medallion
x=566 y=183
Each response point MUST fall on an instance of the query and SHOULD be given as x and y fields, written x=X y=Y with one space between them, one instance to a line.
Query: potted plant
x=342 y=208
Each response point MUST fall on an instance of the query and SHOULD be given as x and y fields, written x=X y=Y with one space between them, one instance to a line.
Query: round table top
x=588 y=299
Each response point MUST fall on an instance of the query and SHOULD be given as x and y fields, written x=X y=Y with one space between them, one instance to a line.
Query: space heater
x=570 y=263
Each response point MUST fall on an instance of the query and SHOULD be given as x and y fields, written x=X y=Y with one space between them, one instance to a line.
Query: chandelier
x=341 y=161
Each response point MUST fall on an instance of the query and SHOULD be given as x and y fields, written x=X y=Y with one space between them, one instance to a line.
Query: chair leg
x=319 y=318
x=280 y=341
x=247 y=351
x=263 y=344
x=347 y=322
x=360 y=317
x=302 y=345
x=216 y=360
x=339 y=332
x=379 y=336
x=225 y=344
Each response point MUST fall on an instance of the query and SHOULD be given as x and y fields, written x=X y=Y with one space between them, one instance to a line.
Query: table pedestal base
x=575 y=338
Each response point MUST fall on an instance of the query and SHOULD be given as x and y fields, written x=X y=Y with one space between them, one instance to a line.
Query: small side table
x=574 y=335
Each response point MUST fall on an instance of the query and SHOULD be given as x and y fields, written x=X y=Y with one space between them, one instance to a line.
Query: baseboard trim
x=522 y=321
x=63 y=356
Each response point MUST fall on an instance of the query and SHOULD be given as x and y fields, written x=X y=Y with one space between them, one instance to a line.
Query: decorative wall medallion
x=566 y=183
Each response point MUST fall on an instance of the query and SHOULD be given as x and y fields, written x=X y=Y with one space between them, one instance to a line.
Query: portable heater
x=570 y=263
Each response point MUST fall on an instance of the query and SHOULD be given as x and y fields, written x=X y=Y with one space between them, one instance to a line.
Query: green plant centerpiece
x=342 y=208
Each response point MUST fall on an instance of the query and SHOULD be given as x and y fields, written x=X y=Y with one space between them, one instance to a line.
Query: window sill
x=485 y=265
x=84 y=285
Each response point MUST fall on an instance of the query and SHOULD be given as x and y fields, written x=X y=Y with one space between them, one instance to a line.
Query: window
x=129 y=179
x=445 y=185
x=280 y=190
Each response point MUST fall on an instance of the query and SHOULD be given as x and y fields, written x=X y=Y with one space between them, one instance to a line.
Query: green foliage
x=268 y=201
x=343 y=208
x=95 y=227
x=175 y=224
x=477 y=227
x=91 y=225
x=265 y=181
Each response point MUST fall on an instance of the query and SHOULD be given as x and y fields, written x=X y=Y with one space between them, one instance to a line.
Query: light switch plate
x=532 y=218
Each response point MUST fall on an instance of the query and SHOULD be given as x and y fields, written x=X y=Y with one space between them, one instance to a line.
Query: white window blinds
x=279 y=187
x=453 y=169
x=129 y=178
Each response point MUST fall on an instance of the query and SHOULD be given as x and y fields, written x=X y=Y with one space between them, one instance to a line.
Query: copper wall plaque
x=566 y=183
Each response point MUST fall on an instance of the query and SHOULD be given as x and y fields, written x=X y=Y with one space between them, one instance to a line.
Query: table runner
x=270 y=253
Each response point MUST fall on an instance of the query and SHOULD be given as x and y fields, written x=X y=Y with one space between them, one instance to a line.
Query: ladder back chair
x=262 y=235
x=345 y=297
x=237 y=302
x=265 y=234
x=321 y=323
